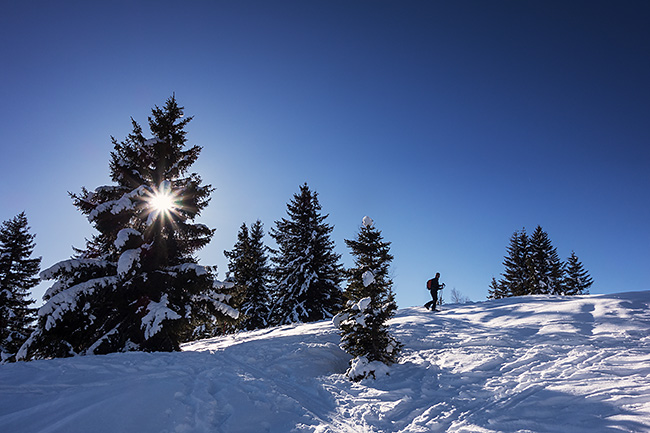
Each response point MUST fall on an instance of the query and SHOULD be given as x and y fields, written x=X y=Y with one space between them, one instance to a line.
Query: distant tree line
x=533 y=267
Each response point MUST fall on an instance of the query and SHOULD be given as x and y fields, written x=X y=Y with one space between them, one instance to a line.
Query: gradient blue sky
x=451 y=124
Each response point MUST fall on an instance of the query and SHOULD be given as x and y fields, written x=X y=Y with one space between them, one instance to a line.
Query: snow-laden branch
x=125 y=202
x=66 y=300
x=157 y=312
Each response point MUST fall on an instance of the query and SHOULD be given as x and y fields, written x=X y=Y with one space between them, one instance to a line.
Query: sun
x=162 y=201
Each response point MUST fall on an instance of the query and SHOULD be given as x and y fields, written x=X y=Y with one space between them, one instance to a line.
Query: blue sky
x=451 y=124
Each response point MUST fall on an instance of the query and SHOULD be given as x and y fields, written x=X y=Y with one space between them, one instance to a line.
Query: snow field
x=530 y=364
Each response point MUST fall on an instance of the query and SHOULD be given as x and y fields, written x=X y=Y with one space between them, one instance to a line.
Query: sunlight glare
x=162 y=201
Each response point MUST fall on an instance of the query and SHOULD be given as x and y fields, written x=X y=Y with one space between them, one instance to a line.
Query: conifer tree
x=544 y=265
x=307 y=271
x=516 y=277
x=248 y=265
x=496 y=290
x=370 y=304
x=17 y=277
x=577 y=280
x=137 y=285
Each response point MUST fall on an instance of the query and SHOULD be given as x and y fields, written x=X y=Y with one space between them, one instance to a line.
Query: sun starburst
x=163 y=201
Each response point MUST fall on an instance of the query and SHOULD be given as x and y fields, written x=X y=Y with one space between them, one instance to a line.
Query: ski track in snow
x=529 y=364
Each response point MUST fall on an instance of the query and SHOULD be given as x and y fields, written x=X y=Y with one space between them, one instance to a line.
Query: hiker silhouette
x=434 y=286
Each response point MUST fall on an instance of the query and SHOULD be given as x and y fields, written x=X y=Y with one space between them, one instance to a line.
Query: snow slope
x=532 y=364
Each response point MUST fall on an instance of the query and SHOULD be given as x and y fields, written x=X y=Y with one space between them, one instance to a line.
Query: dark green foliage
x=370 y=301
x=516 y=277
x=496 y=290
x=17 y=277
x=137 y=284
x=544 y=265
x=577 y=280
x=248 y=266
x=533 y=267
x=307 y=270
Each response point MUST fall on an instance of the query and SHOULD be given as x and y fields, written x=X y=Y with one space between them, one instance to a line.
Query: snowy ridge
x=529 y=364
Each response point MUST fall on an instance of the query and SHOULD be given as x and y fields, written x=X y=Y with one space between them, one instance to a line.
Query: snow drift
x=530 y=364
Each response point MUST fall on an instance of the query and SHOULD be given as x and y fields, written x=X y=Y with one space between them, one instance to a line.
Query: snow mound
x=530 y=364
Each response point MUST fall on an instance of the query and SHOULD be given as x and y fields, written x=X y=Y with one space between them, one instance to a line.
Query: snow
x=69 y=266
x=368 y=278
x=157 y=312
x=125 y=202
x=363 y=304
x=123 y=237
x=66 y=300
x=528 y=364
x=185 y=267
x=360 y=367
x=367 y=221
x=128 y=259
x=152 y=141
x=218 y=301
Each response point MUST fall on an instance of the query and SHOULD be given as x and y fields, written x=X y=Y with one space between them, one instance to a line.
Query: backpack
x=429 y=284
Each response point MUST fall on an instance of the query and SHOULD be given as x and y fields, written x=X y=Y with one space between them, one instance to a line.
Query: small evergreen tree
x=371 y=303
x=307 y=271
x=17 y=277
x=248 y=265
x=544 y=266
x=577 y=280
x=137 y=285
x=496 y=290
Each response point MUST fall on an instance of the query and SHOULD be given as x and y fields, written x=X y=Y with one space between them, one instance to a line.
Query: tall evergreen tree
x=307 y=270
x=371 y=303
x=576 y=280
x=17 y=277
x=544 y=265
x=248 y=265
x=516 y=277
x=137 y=285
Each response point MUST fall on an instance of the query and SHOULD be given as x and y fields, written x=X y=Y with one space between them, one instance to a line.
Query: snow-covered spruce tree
x=370 y=304
x=576 y=279
x=18 y=275
x=307 y=272
x=137 y=284
x=544 y=265
x=516 y=276
x=248 y=266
